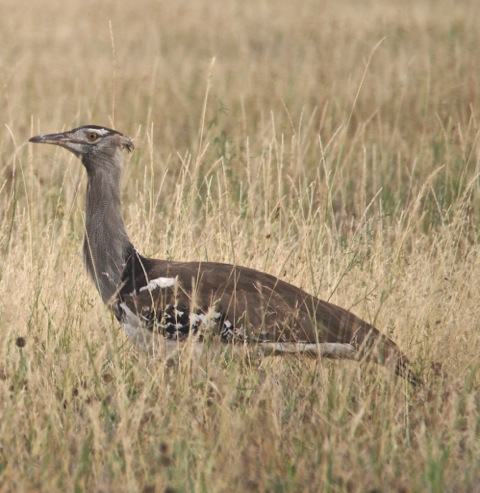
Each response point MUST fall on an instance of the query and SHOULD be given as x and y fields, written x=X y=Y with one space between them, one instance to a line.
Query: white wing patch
x=197 y=318
x=324 y=349
x=159 y=282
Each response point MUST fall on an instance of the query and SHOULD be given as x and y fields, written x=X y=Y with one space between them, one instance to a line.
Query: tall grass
x=334 y=144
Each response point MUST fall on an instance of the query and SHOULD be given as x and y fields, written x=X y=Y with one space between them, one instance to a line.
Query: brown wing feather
x=254 y=306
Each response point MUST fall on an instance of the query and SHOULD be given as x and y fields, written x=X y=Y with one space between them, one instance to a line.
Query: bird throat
x=106 y=245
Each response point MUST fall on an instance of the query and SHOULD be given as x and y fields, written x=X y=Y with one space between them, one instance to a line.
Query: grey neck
x=106 y=245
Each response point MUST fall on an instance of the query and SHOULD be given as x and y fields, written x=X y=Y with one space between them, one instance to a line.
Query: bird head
x=91 y=143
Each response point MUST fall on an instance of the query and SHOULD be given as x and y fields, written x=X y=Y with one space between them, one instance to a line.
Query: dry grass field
x=332 y=143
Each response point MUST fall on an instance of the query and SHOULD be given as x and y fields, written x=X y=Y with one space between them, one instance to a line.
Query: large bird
x=161 y=304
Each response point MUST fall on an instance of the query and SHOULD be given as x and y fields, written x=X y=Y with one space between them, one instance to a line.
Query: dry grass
x=338 y=149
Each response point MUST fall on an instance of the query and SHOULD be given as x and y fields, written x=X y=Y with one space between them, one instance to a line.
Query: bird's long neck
x=106 y=244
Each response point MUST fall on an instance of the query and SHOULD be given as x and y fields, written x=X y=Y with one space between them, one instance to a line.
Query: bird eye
x=92 y=137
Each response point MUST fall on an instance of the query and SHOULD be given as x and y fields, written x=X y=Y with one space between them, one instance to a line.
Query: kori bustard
x=162 y=303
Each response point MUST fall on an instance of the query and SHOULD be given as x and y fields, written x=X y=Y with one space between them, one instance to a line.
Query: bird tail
x=380 y=349
x=403 y=369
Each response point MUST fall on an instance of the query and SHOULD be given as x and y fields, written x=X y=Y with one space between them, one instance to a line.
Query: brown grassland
x=332 y=143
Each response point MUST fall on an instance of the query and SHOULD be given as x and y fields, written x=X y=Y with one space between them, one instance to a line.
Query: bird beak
x=58 y=139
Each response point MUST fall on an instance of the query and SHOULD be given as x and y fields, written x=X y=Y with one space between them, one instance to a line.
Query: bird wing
x=245 y=304
x=240 y=304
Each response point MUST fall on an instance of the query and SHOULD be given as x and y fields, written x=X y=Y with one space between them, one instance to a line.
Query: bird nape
x=162 y=303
